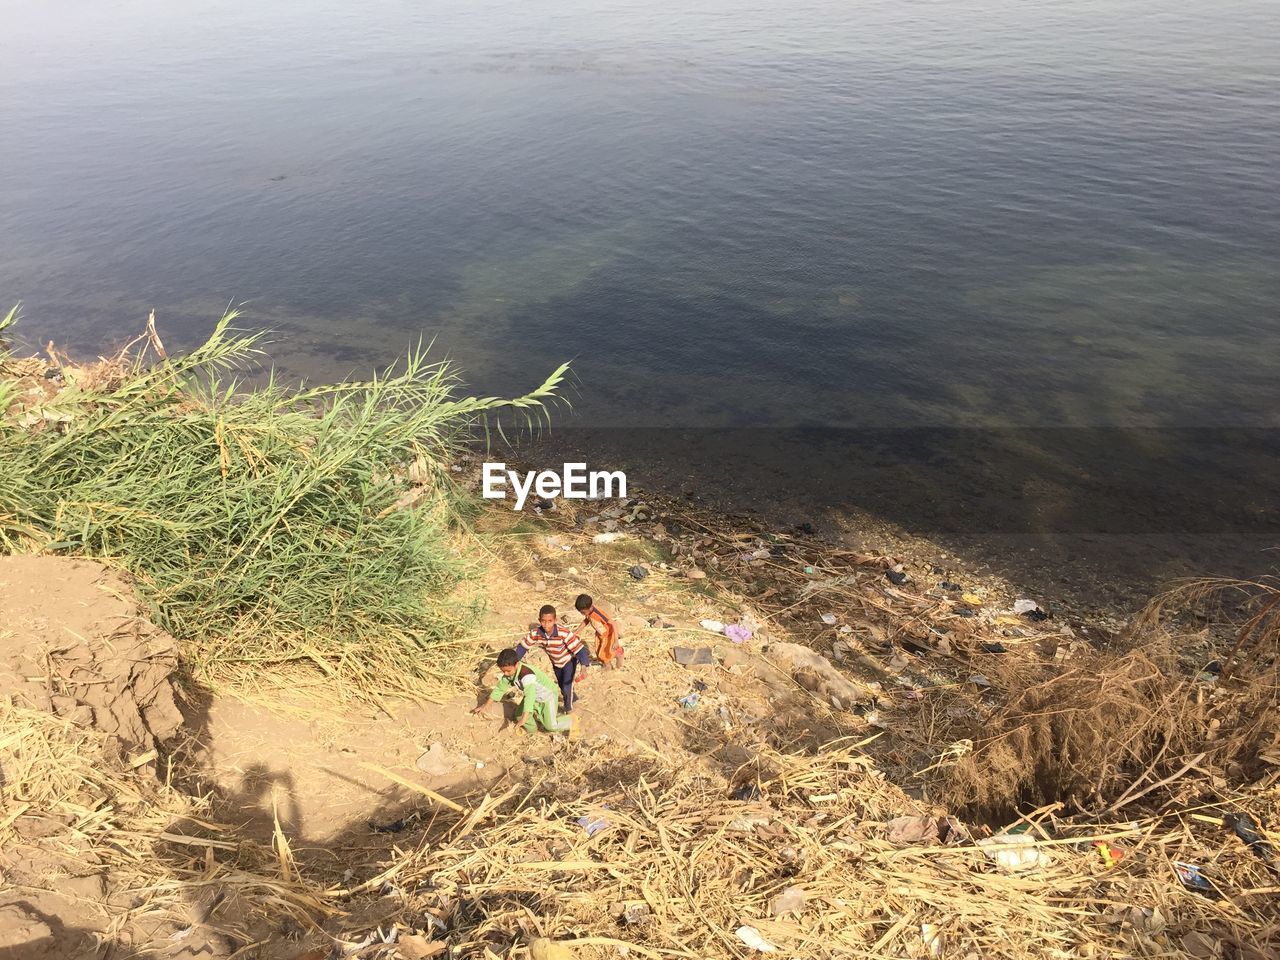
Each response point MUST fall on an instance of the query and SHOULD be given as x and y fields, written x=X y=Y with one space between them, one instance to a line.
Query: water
x=822 y=214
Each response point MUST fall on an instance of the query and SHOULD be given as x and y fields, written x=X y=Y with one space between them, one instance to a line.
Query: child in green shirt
x=539 y=695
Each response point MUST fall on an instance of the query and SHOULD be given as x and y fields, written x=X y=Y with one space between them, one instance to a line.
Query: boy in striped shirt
x=563 y=648
x=608 y=636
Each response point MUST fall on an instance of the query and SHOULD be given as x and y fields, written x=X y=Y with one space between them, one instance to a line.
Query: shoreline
x=1084 y=544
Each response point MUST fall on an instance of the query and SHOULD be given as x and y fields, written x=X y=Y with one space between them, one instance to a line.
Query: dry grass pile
x=802 y=851
x=1112 y=728
x=70 y=799
x=120 y=849
x=1078 y=735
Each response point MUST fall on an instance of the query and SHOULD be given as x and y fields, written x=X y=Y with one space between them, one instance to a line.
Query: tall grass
x=267 y=525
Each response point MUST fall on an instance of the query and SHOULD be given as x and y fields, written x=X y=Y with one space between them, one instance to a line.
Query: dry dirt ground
x=297 y=779
x=74 y=644
x=338 y=776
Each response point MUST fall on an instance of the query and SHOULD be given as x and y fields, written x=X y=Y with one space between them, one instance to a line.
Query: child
x=538 y=695
x=563 y=648
x=608 y=636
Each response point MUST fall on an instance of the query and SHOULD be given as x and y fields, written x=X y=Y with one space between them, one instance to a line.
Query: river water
x=823 y=215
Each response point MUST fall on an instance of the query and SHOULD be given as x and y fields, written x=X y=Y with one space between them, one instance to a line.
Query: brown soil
x=76 y=643
x=341 y=785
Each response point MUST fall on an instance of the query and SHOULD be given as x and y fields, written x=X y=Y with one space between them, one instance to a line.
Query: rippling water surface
x=886 y=212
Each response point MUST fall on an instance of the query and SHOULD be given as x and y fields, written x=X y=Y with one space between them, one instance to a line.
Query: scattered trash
x=972 y=599
x=993 y=648
x=638 y=572
x=1014 y=852
x=608 y=537
x=1199 y=945
x=751 y=937
x=912 y=647
x=414 y=946
x=748 y=791
x=545 y=949
x=690 y=700
x=829 y=619
x=1211 y=672
x=929 y=831
x=1110 y=855
x=436 y=762
x=950 y=587
x=790 y=900
x=931 y=936
x=592 y=825
x=1247 y=829
x=815 y=673
x=715 y=626
x=1030 y=609
x=1193 y=879
x=808 y=570
x=737 y=633
x=981 y=682
x=896 y=577
x=693 y=657
x=631 y=914
x=749 y=823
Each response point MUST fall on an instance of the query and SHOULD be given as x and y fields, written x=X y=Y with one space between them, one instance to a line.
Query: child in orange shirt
x=608 y=636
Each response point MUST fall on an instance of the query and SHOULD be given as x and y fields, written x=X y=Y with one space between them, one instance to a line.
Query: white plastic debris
x=1026 y=606
x=751 y=937
x=1015 y=852
x=829 y=619
x=436 y=761
x=790 y=900
x=715 y=626
x=608 y=537
x=932 y=938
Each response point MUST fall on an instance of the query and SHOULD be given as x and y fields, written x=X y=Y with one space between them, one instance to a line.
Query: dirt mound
x=74 y=642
